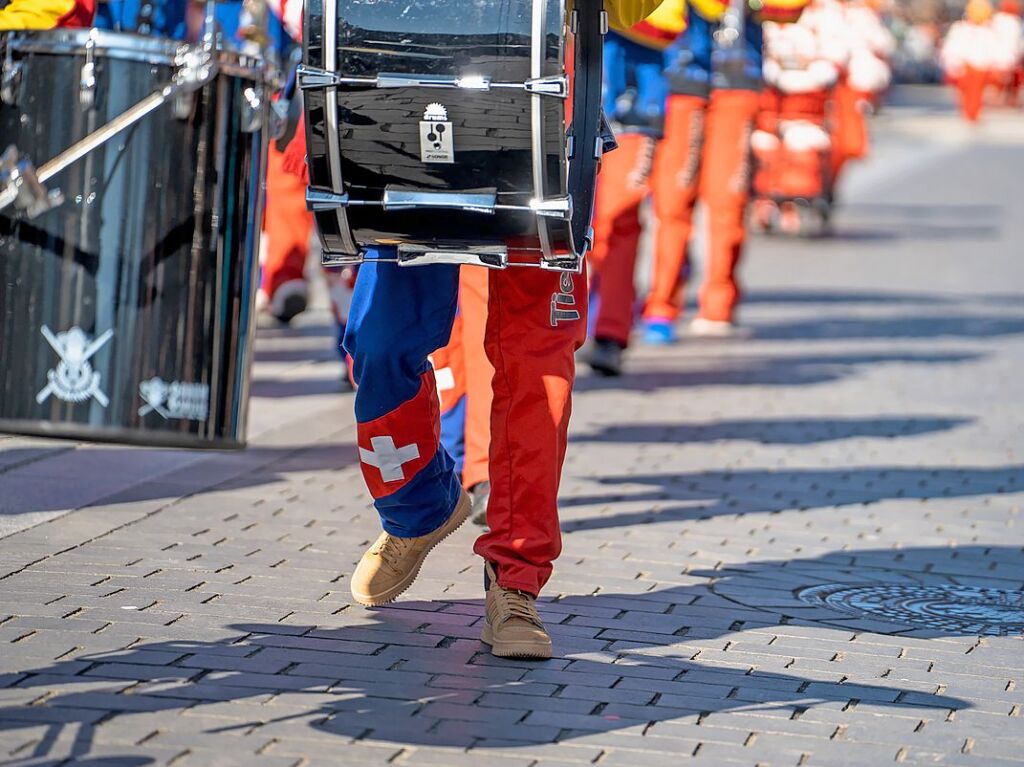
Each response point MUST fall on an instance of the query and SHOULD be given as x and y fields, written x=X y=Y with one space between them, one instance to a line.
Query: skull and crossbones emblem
x=74 y=380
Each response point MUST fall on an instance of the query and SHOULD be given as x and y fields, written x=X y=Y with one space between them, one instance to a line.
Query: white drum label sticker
x=175 y=399
x=436 y=144
x=74 y=380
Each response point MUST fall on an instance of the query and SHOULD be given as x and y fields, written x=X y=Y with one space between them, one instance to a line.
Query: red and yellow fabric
x=669 y=19
x=46 y=14
x=661 y=28
x=622 y=14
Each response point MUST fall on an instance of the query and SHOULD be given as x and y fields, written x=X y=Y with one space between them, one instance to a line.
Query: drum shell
x=156 y=242
x=378 y=128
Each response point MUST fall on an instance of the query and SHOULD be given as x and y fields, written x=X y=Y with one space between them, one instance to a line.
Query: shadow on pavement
x=789 y=431
x=760 y=491
x=893 y=328
x=788 y=370
x=417 y=674
x=23 y=489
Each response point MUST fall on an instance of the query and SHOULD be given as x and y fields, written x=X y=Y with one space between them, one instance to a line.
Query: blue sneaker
x=659 y=333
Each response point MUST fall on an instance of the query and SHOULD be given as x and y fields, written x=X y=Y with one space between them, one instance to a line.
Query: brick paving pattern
x=732 y=509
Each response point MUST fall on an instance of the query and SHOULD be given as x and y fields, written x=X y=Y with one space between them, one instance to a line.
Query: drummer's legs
x=536 y=320
x=400 y=315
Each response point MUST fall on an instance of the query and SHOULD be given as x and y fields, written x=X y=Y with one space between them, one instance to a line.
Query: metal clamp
x=20 y=186
x=314 y=78
x=324 y=199
x=556 y=207
x=567 y=263
x=10 y=79
x=87 y=77
x=549 y=86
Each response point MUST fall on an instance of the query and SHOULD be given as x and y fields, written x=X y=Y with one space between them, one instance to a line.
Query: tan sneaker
x=391 y=564
x=512 y=626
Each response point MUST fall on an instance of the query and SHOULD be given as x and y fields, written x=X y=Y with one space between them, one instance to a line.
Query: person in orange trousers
x=464 y=375
x=287 y=227
x=634 y=101
x=714 y=77
x=971 y=53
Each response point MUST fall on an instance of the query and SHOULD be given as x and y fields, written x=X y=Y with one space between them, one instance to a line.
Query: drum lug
x=87 y=78
x=322 y=199
x=252 y=110
x=279 y=118
x=569 y=263
x=549 y=86
x=10 y=79
x=570 y=146
x=182 y=105
x=598 y=147
x=312 y=78
x=340 y=259
x=556 y=207
x=605 y=26
x=421 y=255
x=574 y=21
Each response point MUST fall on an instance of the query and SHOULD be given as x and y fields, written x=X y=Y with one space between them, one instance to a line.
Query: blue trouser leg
x=399 y=316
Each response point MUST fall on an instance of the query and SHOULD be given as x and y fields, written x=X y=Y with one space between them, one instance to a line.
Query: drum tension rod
x=314 y=78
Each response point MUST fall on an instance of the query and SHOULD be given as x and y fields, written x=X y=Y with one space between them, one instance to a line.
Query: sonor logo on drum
x=436 y=144
x=74 y=380
x=175 y=399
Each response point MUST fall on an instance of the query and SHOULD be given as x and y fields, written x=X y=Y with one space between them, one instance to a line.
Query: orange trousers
x=705 y=155
x=287 y=225
x=622 y=186
x=971 y=85
x=850 y=140
x=463 y=371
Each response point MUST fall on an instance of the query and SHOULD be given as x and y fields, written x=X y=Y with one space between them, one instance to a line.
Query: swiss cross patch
x=395 y=447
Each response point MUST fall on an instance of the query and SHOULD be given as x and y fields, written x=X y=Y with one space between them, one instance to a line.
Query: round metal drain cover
x=960 y=609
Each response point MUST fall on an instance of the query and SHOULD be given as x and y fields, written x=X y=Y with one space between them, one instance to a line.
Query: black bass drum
x=455 y=131
x=126 y=309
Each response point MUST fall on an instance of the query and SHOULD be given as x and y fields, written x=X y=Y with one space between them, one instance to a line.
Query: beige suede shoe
x=512 y=626
x=391 y=564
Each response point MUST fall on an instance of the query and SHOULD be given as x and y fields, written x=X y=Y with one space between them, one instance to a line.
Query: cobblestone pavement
x=799 y=548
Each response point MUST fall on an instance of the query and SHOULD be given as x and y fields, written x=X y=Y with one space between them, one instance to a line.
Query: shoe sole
x=607 y=371
x=293 y=306
x=462 y=511
x=525 y=650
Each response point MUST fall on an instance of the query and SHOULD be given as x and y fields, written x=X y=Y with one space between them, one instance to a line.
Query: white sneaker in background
x=705 y=328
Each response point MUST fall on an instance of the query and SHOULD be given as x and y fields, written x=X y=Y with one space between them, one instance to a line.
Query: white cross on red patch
x=388 y=458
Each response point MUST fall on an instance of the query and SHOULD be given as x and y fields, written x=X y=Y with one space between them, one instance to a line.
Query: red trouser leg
x=724 y=188
x=972 y=90
x=674 y=185
x=287 y=225
x=478 y=371
x=535 y=322
x=623 y=184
